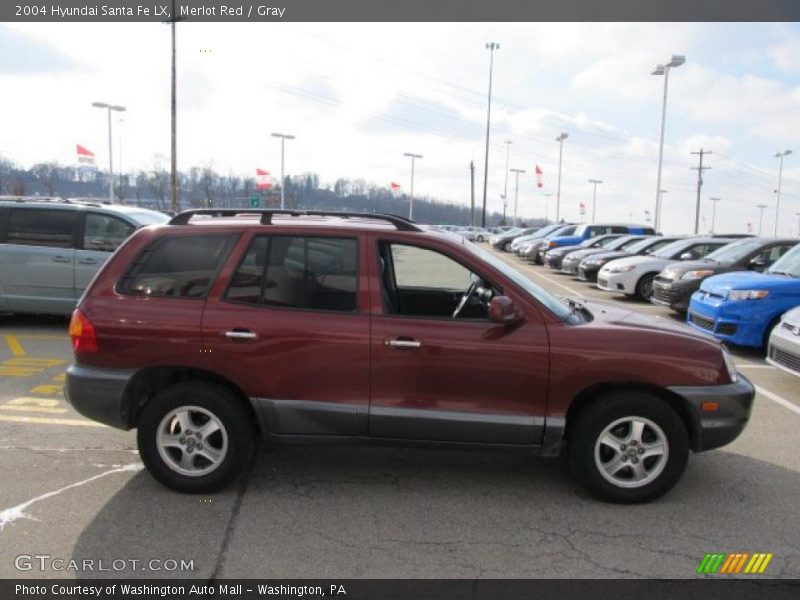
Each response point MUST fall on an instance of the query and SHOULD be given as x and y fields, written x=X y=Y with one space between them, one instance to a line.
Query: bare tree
x=48 y=175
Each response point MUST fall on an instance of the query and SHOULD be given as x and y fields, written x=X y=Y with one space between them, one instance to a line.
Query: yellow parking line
x=47 y=389
x=39 y=336
x=17 y=371
x=13 y=344
x=49 y=421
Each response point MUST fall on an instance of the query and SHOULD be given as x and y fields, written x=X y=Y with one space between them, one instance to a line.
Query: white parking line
x=778 y=400
x=752 y=366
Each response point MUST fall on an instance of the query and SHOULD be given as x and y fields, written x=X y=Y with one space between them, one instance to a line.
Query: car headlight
x=730 y=365
x=622 y=269
x=747 y=294
x=700 y=274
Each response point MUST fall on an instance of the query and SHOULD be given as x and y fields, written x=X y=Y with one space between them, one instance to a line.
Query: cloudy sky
x=358 y=96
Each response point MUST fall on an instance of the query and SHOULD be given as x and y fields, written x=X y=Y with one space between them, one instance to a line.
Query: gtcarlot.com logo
x=722 y=563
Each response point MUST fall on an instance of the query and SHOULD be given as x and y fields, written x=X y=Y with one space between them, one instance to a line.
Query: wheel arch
x=596 y=392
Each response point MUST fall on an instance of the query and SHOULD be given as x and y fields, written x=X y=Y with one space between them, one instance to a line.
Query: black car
x=554 y=257
x=675 y=285
x=589 y=266
x=571 y=262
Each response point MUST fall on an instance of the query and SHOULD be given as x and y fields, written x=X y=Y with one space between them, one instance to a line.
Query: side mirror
x=687 y=256
x=502 y=311
x=758 y=263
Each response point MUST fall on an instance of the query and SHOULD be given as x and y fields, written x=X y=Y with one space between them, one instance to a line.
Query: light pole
x=491 y=46
x=547 y=196
x=516 y=192
x=675 y=62
x=594 y=195
x=508 y=154
x=714 y=213
x=560 y=139
x=119 y=141
x=109 y=108
x=283 y=137
x=779 y=155
x=798 y=223
x=761 y=208
x=413 y=158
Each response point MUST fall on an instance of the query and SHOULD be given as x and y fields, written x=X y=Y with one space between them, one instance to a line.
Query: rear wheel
x=195 y=437
x=644 y=287
x=628 y=447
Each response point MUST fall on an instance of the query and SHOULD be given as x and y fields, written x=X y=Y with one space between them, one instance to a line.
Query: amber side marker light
x=82 y=333
x=709 y=406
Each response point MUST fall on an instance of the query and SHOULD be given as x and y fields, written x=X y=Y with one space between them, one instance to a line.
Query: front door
x=435 y=377
x=101 y=235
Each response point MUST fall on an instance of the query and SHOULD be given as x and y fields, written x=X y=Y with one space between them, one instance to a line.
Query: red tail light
x=82 y=333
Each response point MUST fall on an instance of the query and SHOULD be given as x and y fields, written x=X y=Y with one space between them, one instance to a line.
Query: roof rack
x=184 y=217
x=50 y=200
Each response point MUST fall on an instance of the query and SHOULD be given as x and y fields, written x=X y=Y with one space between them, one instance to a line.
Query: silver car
x=784 y=343
x=51 y=249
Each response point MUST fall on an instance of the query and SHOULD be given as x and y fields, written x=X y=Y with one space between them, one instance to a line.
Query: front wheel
x=195 y=437
x=628 y=447
x=644 y=287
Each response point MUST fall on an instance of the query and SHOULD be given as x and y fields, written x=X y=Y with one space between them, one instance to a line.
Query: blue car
x=588 y=231
x=743 y=307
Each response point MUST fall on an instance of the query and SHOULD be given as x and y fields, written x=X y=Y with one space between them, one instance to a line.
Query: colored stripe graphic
x=734 y=563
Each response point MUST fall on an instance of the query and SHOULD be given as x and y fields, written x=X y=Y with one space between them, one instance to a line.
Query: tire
x=610 y=417
x=644 y=287
x=480 y=239
x=768 y=332
x=163 y=441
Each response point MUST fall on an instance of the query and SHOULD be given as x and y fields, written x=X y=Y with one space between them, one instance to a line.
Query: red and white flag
x=263 y=181
x=85 y=156
x=538 y=177
x=582 y=208
x=396 y=188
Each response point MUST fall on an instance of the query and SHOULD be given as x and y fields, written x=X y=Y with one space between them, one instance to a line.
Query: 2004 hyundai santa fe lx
x=309 y=325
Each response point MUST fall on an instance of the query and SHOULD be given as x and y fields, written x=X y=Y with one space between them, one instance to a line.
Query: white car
x=633 y=275
x=784 y=343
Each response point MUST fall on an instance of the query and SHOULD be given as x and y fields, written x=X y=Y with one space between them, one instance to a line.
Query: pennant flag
x=397 y=189
x=749 y=227
x=263 y=181
x=395 y=186
x=538 y=177
x=85 y=156
x=582 y=208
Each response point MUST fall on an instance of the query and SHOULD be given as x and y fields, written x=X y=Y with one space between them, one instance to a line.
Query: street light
x=413 y=158
x=560 y=139
x=714 y=213
x=491 y=46
x=779 y=155
x=675 y=62
x=547 y=196
x=283 y=137
x=109 y=108
x=761 y=208
x=594 y=195
x=516 y=192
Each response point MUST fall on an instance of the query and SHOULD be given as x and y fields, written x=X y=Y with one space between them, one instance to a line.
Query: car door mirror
x=687 y=256
x=503 y=311
x=758 y=263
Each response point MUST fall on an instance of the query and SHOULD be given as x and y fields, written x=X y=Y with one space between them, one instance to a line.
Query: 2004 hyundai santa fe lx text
x=342 y=326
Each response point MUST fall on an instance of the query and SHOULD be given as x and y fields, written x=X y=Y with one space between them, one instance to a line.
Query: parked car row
x=736 y=288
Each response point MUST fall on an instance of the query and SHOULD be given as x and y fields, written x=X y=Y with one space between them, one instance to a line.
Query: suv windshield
x=732 y=253
x=788 y=264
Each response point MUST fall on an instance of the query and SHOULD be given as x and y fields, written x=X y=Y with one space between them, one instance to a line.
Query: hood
x=581 y=254
x=648 y=262
x=792 y=317
x=561 y=250
x=677 y=269
x=720 y=285
x=609 y=255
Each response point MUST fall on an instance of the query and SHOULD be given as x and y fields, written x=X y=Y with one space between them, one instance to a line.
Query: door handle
x=87 y=261
x=62 y=259
x=241 y=335
x=403 y=344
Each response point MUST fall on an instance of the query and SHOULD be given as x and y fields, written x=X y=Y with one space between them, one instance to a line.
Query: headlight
x=696 y=274
x=729 y=364
x=622 y=269
x=747 y=294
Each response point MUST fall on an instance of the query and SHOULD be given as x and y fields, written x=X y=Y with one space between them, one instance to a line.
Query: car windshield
x=673 y=249
x=788 y=264
x=557 y=306
x=647 y=243
x=732 y=253
x=619 y=243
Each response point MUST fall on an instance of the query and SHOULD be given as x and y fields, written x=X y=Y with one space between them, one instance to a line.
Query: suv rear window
x=179 y=267
x=315 y=273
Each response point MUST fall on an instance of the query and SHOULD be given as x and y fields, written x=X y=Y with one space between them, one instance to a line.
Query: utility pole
x=699 y=170
x=714 y=213
x=594 y=196
x=761 y=208
x=780 y=156
x=491 y=46
x=560 y=139
x=472 y=193
x=516 y=192
x=174 y=206
x=411 y=203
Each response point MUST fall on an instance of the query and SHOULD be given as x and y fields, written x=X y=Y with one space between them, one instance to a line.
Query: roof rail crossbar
x=184 y=217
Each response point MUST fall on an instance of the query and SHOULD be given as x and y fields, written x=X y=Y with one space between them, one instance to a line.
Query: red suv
x=342 y=326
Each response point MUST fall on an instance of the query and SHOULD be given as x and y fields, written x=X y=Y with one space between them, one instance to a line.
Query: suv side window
x=420 y=268
x=104 y=232
x=178 y=267
x=304 y=272
x=35 y=227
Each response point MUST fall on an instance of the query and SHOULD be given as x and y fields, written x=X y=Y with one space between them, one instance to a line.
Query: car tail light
x=82 y=333
x=551 y=245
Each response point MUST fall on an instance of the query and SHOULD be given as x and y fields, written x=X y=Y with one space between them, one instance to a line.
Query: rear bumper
x=99 y=394
x=719 y=427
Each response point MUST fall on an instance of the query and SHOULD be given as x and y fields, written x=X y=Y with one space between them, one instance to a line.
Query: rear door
x=100 y=234
x=37 y=261
x=289 y=324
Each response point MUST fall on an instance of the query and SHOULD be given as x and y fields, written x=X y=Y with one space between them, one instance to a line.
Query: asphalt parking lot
x=72 y=489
